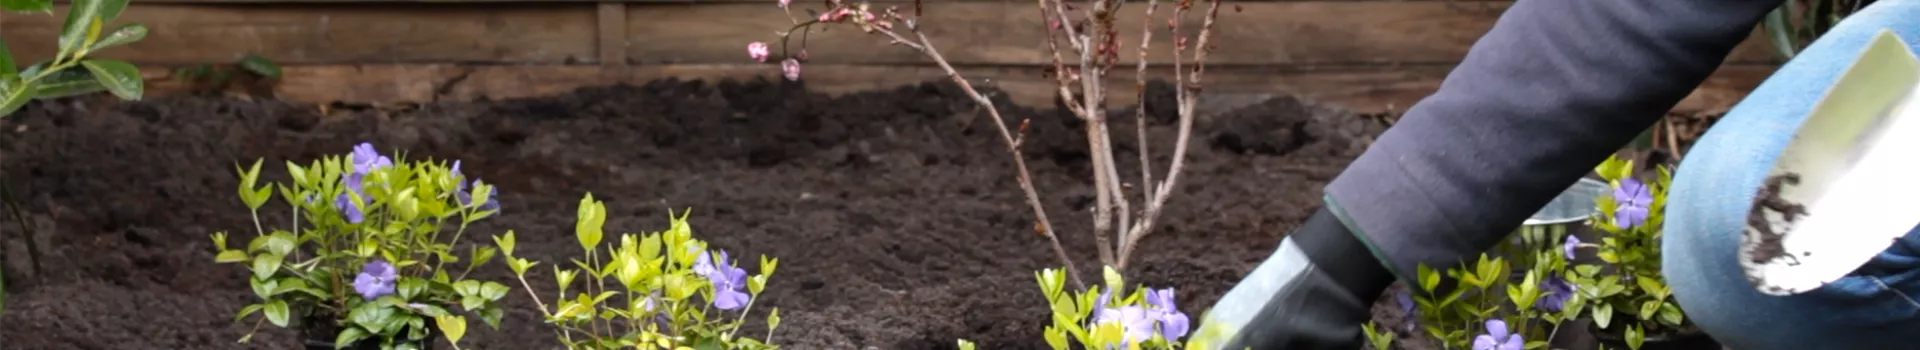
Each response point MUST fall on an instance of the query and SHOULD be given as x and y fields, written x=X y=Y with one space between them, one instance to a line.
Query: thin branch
x=1189 y=98
x=1140 y=121
x=1045 y=227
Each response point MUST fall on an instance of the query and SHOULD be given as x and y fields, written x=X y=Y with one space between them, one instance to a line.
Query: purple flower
x=1572 y=244
x=1558 y=291
x=366 y=158
x=1633 y=199
x=376 y=279
x=1173 y=323
x=728 y=281
x=1407 y=307
x=1497 y=338
x=460 y=191
x=1100 y=305
x=354 y=182
x=1136 y=321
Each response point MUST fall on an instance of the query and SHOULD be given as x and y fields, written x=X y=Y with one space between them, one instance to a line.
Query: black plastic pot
x=1691 y=339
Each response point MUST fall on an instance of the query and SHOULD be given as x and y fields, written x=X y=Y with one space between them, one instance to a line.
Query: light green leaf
x=277 y=312
x=266 y=264
x=230 y=256
x=119 y=77
x=453 y=326
x=494 y=290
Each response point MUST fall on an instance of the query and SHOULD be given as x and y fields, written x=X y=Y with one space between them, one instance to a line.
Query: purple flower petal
x=1484 y=342
x=1573 y=243
x=1497 y=328
x=375 y=280
x=728 y=299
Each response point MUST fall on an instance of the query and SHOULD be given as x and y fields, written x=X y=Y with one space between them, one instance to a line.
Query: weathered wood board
x=997 y=33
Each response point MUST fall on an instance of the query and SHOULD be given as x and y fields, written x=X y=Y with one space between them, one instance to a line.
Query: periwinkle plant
x=366 y=250
x=652 y=291
x=1629 y=281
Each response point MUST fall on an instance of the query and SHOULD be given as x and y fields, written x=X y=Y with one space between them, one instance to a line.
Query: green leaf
x=494 y=290
x=126 y=34
x=1602 y=314
x=78 y=32
x=64 y=83
x=1670 y=314
x=266 y=264
x=25 y=6
x=261 y=66
x=7 y=65
x=592 y=216
x=410 y=287
x=277 y=312
x=372 y=316
x=453 y=326
x=1429 y=279
x=230 y=256
x=505 y=242
x=248 y=311
x=120 y=78
x=349 y=336
x=14 y=93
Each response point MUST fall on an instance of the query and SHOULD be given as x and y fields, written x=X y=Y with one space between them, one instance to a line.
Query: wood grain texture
x=978 y=33
x=1368 y=90
x=1318 y=32
x=317 y=34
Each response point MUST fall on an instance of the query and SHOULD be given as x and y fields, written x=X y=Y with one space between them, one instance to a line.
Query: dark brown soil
x=895 y=212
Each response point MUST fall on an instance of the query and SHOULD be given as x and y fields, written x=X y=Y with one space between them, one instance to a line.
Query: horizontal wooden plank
x=1320 y=32
x=1365 y=90
x=1011 y=33
x=323 y=34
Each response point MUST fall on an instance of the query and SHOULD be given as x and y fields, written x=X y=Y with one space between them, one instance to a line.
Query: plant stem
x=1188 y=97
x=33 y=246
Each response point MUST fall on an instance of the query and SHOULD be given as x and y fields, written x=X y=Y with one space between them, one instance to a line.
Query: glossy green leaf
x=119 y=77
x=65 y=83
x=14 y=93
x=126 y=34
x=266 y=264
x=349 y=336
x=80 y=29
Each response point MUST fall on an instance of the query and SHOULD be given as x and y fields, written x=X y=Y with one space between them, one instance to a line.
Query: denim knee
x=1714 y=186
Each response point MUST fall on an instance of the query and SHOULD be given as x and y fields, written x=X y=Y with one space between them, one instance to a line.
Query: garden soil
x=895 y=213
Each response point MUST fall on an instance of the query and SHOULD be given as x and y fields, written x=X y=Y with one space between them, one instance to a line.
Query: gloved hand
x=1314 y=293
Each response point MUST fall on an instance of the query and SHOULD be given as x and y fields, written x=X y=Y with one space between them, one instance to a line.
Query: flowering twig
x=1116 y=229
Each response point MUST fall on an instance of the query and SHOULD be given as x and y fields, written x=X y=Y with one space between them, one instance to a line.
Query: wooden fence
x=1370 y=55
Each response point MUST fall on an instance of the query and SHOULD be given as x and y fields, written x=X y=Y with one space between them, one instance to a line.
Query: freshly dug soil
x=895 y=213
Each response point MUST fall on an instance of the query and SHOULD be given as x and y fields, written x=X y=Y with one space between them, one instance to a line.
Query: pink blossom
x=758 y=50
x=791 y=68
x=784 y=3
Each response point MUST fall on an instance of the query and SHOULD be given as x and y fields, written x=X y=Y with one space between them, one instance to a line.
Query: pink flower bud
x=791 y=68
x=757 y=50
x=784 y=3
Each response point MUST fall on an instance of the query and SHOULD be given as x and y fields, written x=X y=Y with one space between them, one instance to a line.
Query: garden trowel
x=1838 y=194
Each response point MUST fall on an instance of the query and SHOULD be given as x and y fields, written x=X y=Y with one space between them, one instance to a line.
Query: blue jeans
x=1875 y=307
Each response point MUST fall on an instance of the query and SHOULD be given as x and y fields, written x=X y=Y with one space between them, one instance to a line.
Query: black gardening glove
x=1327 y=281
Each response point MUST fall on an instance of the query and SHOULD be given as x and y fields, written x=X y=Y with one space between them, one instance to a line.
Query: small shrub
x=365 y=251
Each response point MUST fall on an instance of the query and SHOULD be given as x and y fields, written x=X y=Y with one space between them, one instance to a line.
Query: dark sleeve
x=1550 y=92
